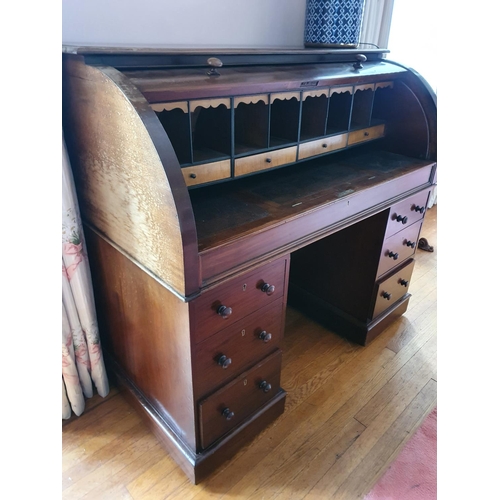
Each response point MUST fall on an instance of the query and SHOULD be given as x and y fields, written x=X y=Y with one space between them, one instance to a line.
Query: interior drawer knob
x=224 y=311
x=393 y=255
x=227 y=413
x=324 y=145
x=403 y=282
x=417 y=208
x=402 y=219
x=386 y=295
x=193 y=176
x=409 y=243
x=224 y=361
x=265 y=386
x=268 y=160
x=264 y=336
x=268 y=289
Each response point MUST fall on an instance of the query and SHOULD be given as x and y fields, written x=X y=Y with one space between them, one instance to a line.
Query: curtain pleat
x=377 y=15
x=82 y=355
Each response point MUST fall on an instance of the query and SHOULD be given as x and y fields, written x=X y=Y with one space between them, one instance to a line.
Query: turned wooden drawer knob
x=403 y=282
x=402 y=219
x=419 y=209
x=393 y=255
x=366 y=134
x=268 y=160
x=224 y=361
x=409 y=243
x=386 y=295
x=325 y=145
x=193 y=176
x=224 y=311
x=264 y=336
x=227 y=413
x=268 y=289
x=266 y=387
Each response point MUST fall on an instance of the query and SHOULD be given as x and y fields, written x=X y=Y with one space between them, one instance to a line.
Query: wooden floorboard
x=349 y=411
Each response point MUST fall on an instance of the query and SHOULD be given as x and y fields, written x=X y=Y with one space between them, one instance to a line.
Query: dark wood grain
x=243 y=396
x=143 y=325
x=314 y=218
x=403 y=214
x=179 y=84
x=391 y=289
x=395 y=249
x=341 y=268
x=165 y=259
x=239 y=342
x=128 y=178
x=243 y=295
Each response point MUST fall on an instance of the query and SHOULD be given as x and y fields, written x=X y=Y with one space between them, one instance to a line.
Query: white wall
x=193 y=23
x=415 y=44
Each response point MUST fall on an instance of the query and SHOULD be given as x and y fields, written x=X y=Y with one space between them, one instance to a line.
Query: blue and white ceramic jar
x=333 y=23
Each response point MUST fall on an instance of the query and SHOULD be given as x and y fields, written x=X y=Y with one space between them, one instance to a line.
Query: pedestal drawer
x=236 y=348
x=398 y=247
x=228 y=303
x=391 y=289
x=231 y=405
x=406 y=212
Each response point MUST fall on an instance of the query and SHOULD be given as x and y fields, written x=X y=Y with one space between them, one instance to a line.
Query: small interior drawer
x=398 y=247
x=392 y=288
x=229 y=302
x=231 y=405
x=366 y=134
x=406 y=212
x=254 y=163
x=237 y=347
x=208 y=172
x=322 y=146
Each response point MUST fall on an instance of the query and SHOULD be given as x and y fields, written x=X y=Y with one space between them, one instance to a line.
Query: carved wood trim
x=368 y=86
x=314 y=93
x=341 y=90
x=210 y=103
x=285 y=96
x=251 y=99
x=169 y=106
x=382 y=85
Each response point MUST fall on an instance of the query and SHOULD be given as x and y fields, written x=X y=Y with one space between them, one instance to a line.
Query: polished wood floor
x=349 y=411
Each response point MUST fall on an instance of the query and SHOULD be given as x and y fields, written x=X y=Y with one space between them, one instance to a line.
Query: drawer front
x=226 y=304
x=366 y=134
x=271 y=159
x=236 y=348
x=393 y=288
x=321 y=146
x=398 y=247
x=232 y=404
x=208 y=172
x=406 y=212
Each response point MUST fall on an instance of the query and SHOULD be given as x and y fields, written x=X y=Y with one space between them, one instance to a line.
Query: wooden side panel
x=146 y=330
x=129 y=181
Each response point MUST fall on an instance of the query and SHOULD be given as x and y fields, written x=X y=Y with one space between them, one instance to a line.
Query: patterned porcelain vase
x=333 y=23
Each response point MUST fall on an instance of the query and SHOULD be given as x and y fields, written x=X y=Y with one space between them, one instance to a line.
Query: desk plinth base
x=198 y=466
x=341 y=323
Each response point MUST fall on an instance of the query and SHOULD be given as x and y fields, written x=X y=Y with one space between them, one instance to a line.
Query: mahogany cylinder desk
x=216 y=186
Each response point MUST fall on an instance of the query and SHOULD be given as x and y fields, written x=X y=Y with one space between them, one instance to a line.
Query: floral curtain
x=82 y=362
